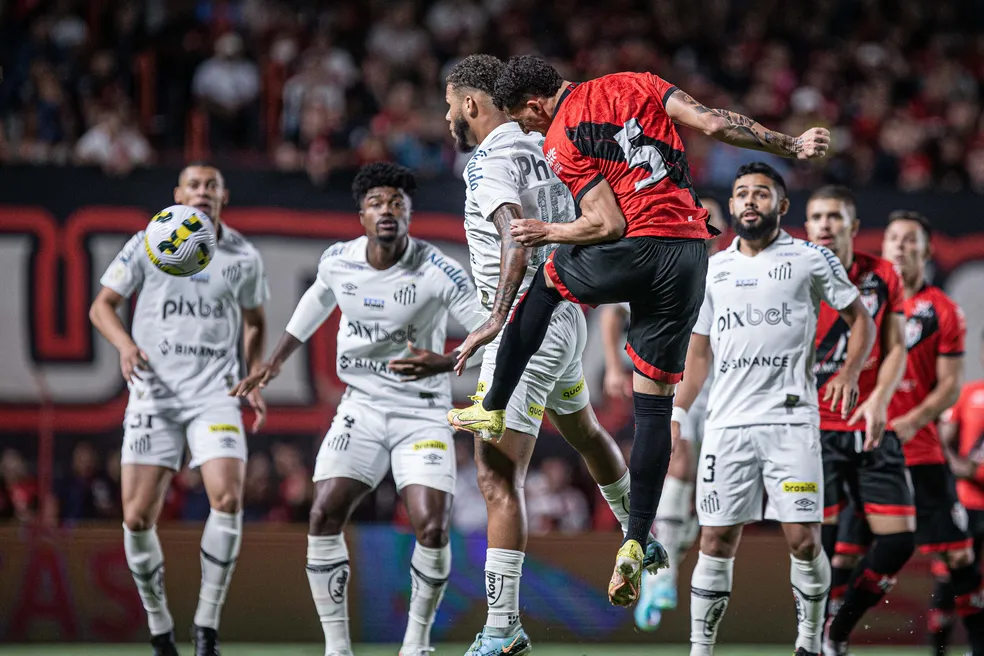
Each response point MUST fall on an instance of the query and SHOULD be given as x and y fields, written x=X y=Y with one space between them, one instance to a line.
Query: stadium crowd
x=316 y=87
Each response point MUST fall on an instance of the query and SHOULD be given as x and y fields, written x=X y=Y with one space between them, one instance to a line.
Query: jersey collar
x=783 y=239
x=508 y=126
x=563 y=96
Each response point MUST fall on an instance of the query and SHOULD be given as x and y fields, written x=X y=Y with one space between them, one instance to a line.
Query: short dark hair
x=909 y=215
x=836 y=192
x=523 y=77
x=203 y=163
x=478 y=72
x=762 y=168
x=382 y=174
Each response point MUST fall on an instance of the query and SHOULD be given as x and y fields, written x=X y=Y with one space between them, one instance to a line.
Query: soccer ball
x=180 y=240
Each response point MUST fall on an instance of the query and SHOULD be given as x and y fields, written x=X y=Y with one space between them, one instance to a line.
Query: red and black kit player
x=864 y=466
x=935 y=332
x=962 y=435
x=640 y=239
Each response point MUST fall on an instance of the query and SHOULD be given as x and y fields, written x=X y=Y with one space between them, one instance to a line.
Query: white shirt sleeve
x=705 y=319
x=314 y=307
x=830 y=281
x=492 y=182
x=125 y=275
x=255 y=291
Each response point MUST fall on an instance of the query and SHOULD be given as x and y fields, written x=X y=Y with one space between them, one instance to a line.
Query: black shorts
x=875 y=481
x=942 y=523
x=662 y=279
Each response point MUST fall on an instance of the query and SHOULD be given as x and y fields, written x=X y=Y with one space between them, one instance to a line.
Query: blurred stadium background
x=101 y=103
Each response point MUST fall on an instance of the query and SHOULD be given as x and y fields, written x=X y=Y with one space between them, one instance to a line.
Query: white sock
x=671 y=518
x=811 y=584
x=709 y=595
x=503 y=569
x=617 y=496
x=146 y=562
x=429 y=570
x=328 y=574
x=221 y=540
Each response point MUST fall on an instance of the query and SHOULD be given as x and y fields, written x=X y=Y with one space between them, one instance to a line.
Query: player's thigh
x=729 y=479
x=430 y=513
x=839 y=464
x=355 y=446
x=792 y=470
x=421 y=448
x=217 y=432
x=153 y=437
x=941 y=520
x=854 y=536
x=143 y=488
x=526 y=406
x=884 y=488
x=502 y=465
x=334 y=501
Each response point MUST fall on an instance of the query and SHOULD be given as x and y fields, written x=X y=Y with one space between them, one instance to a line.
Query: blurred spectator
x=114 y=143
x=20 y=487
x=552 y=503
x=259 y=491
x=468 y=514
x=228 y=85
x=86 y=493
x=194 y=499
x=296 y=488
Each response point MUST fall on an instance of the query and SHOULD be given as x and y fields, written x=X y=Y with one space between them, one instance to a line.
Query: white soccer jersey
x=190 y=327
x=761 y=315
x=383 y=310
x=508 y=167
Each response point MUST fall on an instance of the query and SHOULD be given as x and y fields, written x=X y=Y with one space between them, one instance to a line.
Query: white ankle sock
x=221 y=540
x=709 y=595
x=811 y=584
x=328 y=574
x=617 y=496
x=429 y=569
x=146 y=562
x=503 y=569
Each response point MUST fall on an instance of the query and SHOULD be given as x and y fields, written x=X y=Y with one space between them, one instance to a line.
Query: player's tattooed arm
x=739 y=130
x=514 y=258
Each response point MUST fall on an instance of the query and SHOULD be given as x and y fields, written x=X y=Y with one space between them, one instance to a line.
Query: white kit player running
x=180 y=363
x=395 y=294
x=762 y=436
x=508 y=178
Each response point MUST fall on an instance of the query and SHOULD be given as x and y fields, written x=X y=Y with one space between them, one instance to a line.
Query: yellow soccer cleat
x=487 y=424
x=623 y=589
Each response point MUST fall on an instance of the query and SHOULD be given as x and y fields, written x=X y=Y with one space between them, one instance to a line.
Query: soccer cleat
x=415 y=651
x=487 y=424
x=623 y=589
x=647 y=614
x=515 y=645
x=655 y=558
x=164 y=644
x=803 y=652
x=829 y=647
x=206 y=641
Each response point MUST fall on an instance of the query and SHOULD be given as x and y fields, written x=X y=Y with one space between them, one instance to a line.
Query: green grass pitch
x=234 y=649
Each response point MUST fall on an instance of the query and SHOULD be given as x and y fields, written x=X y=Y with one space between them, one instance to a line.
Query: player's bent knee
x=958 y=558
x=845 y=561
x=228 y=501
x=324 y=522
x=719 y=541
x=138 y=521
x=433 y=533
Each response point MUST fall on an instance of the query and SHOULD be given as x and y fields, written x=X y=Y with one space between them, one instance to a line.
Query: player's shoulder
x=344 y=250
x=492 y=157
x=941 y=301
x=233 y=241
x=432 y=262
x=820 y=255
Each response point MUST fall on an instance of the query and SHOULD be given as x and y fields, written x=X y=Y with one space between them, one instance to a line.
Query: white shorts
x=158 y=436
x=553 y=378
x=738 y=466
x=366 y=440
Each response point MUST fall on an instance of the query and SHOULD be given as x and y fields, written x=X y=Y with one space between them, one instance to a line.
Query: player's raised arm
x=738 y=130
x=601 y=220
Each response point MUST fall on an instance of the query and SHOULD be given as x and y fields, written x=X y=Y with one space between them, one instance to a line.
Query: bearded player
x=180 y=363
x=507 y=179
x=858 y=448
x=639 y=239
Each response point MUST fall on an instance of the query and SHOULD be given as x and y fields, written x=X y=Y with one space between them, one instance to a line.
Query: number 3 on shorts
x=709 y=460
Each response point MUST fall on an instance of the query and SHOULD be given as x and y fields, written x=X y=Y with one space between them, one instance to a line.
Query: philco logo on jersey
x=752 y=316
x=430 y=444
x=185 y=308
x=782 y=272
x=223 y=428
x=529 y=164
x=406 y=295
x=571 y=392
x=376 y=333
x=535 y=410
x=457 y=276
x=374 y=303
x=800 y=488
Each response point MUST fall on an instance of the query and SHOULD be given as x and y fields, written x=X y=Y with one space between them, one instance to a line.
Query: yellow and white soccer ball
x=180 y=240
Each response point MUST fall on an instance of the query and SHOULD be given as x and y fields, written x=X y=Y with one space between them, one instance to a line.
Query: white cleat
x=416 y=651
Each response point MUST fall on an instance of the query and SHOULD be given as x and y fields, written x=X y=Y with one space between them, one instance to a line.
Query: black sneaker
x=206 y=641
x=164 y=644
x=803 y=652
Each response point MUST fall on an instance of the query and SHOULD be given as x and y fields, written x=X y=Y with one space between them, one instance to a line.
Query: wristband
x=679 y=415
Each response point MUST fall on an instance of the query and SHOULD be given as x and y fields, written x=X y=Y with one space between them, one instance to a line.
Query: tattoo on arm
x=746 y=133
x=513 y=260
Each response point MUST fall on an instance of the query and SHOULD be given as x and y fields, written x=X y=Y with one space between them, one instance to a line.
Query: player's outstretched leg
x=710 y=586
x=328 y=558
x=942 y=609
x=430 y=565
x=502 y=470
x=221 y=540
x=143 y=489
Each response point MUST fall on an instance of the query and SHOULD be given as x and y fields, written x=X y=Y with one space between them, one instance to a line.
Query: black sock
x=521 y=339
x=942 y=605
x=649 y=461
x=840 y=578
x=872 y=580
x=966 y=586
x=828 y=537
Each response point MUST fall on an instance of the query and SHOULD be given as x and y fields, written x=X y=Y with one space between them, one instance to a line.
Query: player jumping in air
x=395 y=293
x=676 y=526
x=179 y=364
x=860 y=458
x=507 y=178
x=962 y=434
x=762 y=433
x=640 y=239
